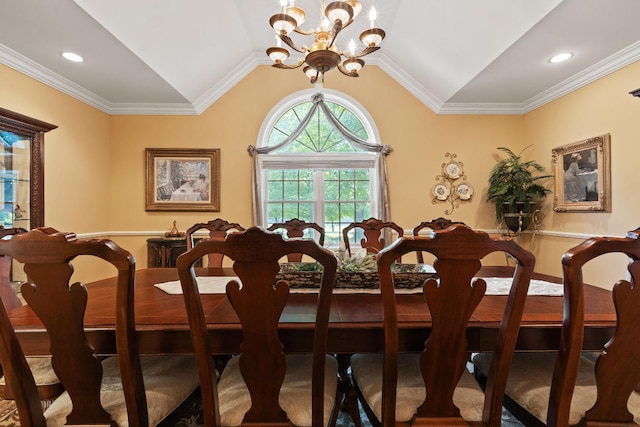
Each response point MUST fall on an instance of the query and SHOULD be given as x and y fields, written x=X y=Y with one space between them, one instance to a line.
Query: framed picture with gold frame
x=182 y=179
x=583 y=176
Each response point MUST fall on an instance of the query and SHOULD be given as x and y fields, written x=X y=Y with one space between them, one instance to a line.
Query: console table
x=164 y=251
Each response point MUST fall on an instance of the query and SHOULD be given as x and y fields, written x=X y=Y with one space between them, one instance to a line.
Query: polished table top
x=356 y=319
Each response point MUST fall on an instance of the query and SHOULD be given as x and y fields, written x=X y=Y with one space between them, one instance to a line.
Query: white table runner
x=495 y=286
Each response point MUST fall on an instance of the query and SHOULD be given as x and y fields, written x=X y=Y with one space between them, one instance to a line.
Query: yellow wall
x=419 y=138
x=95 y=162
x=77 y=155
x=604 y=106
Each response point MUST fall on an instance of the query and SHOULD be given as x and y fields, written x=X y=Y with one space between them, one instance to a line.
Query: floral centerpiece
x=356 y=272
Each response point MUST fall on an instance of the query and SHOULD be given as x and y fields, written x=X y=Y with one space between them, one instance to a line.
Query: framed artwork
x=182 y=179
x=583 y=176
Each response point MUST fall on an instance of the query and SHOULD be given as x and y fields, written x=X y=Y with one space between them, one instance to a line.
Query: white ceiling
x=456 y=56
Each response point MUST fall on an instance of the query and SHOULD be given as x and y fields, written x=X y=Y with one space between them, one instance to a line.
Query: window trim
x=365 y=160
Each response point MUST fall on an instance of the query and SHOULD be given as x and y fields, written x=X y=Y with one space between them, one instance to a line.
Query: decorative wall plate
x=464 y=191
x=441 y=191
x=452 y=170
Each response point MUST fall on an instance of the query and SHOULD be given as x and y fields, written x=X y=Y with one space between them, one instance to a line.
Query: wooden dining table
x=355 y=323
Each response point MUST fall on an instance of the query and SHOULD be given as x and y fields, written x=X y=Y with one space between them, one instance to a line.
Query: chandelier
x=323 y=55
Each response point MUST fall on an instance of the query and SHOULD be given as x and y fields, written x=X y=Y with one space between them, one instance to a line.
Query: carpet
x=8 y=414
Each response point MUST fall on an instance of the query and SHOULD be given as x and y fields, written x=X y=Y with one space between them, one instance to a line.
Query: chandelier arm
x=347 y=73
x=348 y=23
x=366 y=51
x=287 y=40
x=335 y=30
x=303 y=32
x=288 y=66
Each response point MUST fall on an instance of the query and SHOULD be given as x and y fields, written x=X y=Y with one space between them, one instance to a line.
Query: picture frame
x=583 y=175
x=182 y=179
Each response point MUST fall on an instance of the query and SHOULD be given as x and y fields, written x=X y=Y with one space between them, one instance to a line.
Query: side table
x=164 y=251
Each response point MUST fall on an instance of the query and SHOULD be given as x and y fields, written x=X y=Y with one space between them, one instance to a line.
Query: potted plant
x=515 y=189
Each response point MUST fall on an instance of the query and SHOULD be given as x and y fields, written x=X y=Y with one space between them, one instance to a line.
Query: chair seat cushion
x=168 y=381
x=295 y=394
x=529 y=384
x=366 y=369
x=42 y=371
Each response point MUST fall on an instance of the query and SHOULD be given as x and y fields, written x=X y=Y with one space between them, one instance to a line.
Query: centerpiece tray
x=307 y=275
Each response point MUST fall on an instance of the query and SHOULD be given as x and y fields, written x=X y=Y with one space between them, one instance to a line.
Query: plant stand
x=522 y=221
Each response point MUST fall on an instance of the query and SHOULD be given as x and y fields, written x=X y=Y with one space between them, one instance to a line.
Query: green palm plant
x=515 y=181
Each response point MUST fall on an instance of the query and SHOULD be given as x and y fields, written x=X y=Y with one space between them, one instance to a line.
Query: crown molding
x=482 y=108
x=168 y=109
x=408 y=82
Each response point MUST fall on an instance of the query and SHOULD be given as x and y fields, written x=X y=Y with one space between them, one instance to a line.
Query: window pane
x=363 y=211
x=331 y=190
x=347 y=174
x=306 y=190
x=274 y=212
x=290 y=175
x=275 y=191
x=362 y=174
x=305 y=212
x=346 y=190
x=290 y=211
x=362 y=190
x=290 y=190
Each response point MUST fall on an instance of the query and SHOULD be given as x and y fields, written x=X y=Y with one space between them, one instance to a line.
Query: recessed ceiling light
x=74 y=57
x=560 y=57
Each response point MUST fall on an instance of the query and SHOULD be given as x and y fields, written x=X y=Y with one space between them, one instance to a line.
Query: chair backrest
x=377 y=234
x=218 y=230
x=435 y=224
x=7 y=292
x=46 y=255
x=256 y=253
x=617 y=369
x=451 y=300
x=295 y=228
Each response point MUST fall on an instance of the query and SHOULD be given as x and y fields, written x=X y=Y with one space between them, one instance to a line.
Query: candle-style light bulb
x=325 y=25
x=284 y=3
x=352 y=47
x=372 y=16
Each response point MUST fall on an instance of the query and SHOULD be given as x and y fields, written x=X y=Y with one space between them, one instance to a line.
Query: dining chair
x=123 y=390
x=434 y=224
x=572 y=387
x=434 y=386
x=376 y=234
x=47 y=382
x=218 y=230
x=295 y=228
x=263 y=384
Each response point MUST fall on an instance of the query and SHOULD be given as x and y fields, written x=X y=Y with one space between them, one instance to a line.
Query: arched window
x=319 y=159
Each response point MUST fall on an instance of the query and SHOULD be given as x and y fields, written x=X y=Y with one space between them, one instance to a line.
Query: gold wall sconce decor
x=451 y=185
